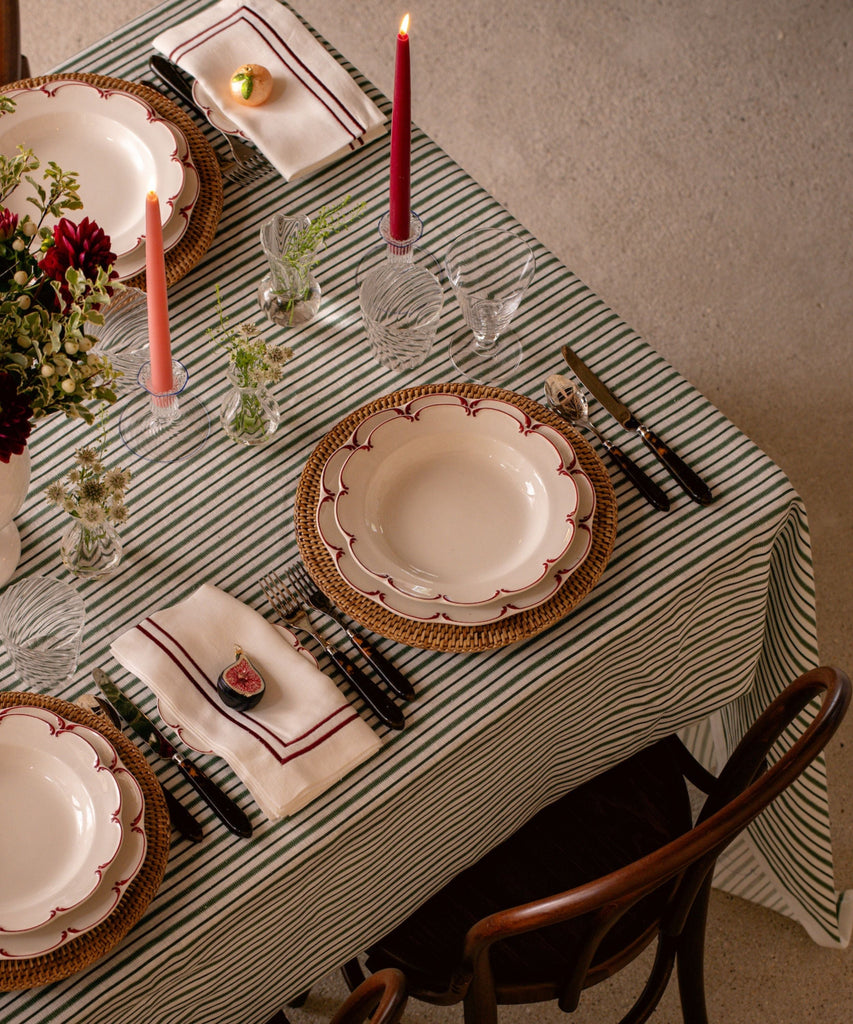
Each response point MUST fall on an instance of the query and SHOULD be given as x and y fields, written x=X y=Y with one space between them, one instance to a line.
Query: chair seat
x=616 y=818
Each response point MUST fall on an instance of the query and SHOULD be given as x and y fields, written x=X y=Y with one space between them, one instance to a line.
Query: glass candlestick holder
x=377 y=254
x=401 y=297
x=164 y=426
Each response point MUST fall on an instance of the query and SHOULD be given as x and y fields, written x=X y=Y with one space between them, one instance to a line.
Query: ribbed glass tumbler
x=41 y=624
x=401 y=304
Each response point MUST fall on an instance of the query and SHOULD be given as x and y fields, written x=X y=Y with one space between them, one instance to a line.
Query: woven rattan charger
x=186 y=253
x=85 y=949
x=442 y=636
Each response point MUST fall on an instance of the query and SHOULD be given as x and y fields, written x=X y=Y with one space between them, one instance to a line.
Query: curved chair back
x=12 y=65
x=381 y=997
x=750 y=780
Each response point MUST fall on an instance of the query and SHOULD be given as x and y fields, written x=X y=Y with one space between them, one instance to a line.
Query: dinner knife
x=184 y=821
x=232 y=816
x=684 y=476
x=176 y=78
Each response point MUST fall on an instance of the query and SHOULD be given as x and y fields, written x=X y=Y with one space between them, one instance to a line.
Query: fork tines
x=279 y=596
x=244 y=172
x=301 y=582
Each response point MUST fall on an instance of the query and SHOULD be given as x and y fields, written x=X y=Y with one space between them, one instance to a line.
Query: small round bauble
x=251 y=84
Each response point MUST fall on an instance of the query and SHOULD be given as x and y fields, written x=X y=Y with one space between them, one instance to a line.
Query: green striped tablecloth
x=700 y=618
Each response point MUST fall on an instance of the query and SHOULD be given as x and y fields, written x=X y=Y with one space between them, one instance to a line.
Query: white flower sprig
x=252 y=360
x=91 y=492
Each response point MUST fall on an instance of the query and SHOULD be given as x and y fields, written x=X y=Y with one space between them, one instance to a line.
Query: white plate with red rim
x=221 y=122
x=107 y=136
x=175 y=228
x=61 y=811
x=116 y=878
x=456 y=502
x=436 y=611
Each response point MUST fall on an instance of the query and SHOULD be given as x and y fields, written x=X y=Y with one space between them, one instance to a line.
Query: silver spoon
x=568 y=401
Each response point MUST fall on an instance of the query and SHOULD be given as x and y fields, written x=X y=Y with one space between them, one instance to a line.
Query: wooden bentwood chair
x=381 y=998
x=581 y=889
x=12 y=64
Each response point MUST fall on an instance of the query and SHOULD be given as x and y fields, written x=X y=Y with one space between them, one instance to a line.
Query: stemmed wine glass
x=489 y=270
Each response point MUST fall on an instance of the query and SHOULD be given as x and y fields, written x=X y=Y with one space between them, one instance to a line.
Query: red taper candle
x=401 y=139
x=159 y=341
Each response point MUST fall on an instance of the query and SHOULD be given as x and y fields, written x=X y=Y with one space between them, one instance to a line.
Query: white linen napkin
x=303 y=735
x=316 y=113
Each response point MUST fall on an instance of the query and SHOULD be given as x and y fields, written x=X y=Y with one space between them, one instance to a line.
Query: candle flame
x=404 y=26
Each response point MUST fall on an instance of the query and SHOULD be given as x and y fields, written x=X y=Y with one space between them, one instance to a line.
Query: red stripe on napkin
x=245 y=14
x=244 y=722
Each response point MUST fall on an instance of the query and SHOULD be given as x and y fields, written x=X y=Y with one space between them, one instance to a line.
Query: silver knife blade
x=232 y=816
x=689 y=481
x=597 y=388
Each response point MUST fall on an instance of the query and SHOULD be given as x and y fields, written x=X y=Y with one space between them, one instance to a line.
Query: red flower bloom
x=15 y=415
x=8 y=224
x=83 y=246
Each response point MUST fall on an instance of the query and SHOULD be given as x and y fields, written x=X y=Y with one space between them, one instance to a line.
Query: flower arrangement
x=303 y=247
x=249 y=415
x=290 y=294
x=93 y=496
x=91 y=492
x=53 y=282
x=252 y=361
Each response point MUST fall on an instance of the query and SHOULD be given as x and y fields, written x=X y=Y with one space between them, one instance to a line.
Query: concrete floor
x=692 y=161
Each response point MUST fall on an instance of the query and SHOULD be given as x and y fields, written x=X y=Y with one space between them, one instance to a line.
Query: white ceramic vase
x=14 y=481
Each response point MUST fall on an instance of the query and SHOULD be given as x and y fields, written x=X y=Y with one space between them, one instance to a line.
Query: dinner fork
x=310 y=593
x=246 y=164
x=293 y=613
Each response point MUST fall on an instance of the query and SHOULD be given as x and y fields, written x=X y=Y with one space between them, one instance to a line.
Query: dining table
x=687 y=621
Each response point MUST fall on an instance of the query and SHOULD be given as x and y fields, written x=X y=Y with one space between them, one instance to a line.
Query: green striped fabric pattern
x=701 y=616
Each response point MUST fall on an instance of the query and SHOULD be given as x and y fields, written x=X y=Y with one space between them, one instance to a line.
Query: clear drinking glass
x=41 y=624
x=123 y=336
x=489 y=270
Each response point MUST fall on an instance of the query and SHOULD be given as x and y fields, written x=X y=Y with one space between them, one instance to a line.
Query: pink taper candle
x=401 y=139
x=159 y=341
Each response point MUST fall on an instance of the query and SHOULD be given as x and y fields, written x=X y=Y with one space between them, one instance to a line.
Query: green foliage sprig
x=252 y=360
x=303 y=247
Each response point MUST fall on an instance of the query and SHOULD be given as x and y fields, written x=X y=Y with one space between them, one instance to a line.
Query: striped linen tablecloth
x=700 y=618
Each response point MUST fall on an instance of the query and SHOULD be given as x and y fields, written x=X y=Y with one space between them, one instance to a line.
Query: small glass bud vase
x=90 y=552
x=249 y=414
x=289 y=294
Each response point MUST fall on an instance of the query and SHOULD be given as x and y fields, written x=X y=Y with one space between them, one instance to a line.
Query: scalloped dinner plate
x=437 y=611
x=457 y=503
x=61 y=811
x=119 y=147
x=116 y=878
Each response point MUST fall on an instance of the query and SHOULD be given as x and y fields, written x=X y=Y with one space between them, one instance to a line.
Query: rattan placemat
x=445 y=636
x=183 y=256
x=92 y=945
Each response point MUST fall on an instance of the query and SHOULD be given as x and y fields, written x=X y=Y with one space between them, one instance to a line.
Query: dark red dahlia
x=8 y=224
x=83 y=246
x=15 y=413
